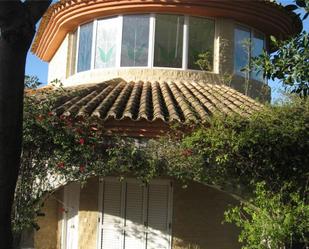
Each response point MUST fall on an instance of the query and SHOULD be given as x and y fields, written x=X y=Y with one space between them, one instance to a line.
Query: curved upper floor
x=93 y=41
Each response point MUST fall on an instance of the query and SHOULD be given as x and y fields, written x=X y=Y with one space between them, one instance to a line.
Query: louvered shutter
x=134 y=237
x=158 y=216
x=71 y=203
x=112 y=222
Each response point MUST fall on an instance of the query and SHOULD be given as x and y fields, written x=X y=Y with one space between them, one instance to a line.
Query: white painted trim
x=94 y=43
x=152 y=29
x=71 y=190
x=100 y=209
x=119 y=42
x=185 y=43
x=77 y=50
x=216 y=54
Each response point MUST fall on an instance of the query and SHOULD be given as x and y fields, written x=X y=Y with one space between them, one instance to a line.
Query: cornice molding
x=67 y=15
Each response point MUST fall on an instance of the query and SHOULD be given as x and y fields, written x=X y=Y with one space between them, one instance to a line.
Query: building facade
x=143 y=65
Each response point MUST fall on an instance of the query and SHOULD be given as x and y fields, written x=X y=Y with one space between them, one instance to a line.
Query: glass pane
x=135 y=41
x=106 y=43
x=241 y=50
x=257 y=49
x=84 y=47
x=168 y=41
x=201 y=43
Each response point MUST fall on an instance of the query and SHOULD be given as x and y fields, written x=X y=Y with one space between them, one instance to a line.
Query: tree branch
x=37 y=8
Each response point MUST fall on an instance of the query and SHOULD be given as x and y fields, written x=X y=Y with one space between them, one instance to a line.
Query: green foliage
x=291 y=62
x=233 y=152
x=204 y=61
x=272 y=220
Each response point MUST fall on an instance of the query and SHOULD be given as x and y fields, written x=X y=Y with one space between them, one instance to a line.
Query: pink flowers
x=60 y=165
x=81 y=141
x=82 y=168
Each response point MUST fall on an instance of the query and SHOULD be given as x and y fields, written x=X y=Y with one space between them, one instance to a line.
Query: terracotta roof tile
x=154 y=101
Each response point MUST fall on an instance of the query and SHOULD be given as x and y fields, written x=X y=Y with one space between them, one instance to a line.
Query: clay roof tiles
x=170 y=102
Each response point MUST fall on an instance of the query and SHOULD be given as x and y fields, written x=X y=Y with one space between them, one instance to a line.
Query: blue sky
x=37 y=67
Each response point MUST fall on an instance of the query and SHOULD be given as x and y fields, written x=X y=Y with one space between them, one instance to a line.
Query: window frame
x=151 y=44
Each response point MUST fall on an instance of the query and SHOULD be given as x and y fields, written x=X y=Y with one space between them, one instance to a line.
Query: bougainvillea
x=231 y=152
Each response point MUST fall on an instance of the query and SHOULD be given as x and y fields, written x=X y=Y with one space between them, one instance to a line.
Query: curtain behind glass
x=84 y=47
x=201 y=42
x=106 y=43
x=135 y=41
x=168 y=41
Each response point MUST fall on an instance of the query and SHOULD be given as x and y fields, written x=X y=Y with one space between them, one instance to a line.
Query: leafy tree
x=17 y=29
x=272 y=220
x=291 y=62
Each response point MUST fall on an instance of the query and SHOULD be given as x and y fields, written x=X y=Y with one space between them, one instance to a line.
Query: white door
x=135 y=216
x=70 y=219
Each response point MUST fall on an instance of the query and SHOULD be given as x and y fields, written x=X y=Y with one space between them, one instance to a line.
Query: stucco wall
x=47 y=236
x=57 y=68
x=88 y=215
x=197 y=219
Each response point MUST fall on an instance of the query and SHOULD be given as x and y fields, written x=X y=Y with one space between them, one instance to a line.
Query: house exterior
x=143 y=65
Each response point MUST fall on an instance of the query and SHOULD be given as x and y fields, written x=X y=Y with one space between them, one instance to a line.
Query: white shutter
x=70 y=225
x=112 y=222
x=134 y=216
x=158 y=216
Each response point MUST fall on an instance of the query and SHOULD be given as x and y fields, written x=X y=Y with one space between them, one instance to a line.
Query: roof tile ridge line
x=219 y=105
x=70 y=111
x=242 y=109
x=171 y=103
x=143 y=111
x=133 y=101
x=238 y=97
x=183 y=99
x=196 y=106
x=107 y=102
x=160 y=110
x=89 y=108
x=203 y=96
x=244 y=96
x=69 y=99
x=120 y=103
x=219 y=93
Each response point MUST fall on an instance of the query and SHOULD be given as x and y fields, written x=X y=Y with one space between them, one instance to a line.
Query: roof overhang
x=66 y=15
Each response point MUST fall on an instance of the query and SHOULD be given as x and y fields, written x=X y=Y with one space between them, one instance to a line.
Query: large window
x=135 y=41
x=146 y=40
x=84 y=47
x=201 y=43
x=106 y=43
x=168 y=41
x=247 y=44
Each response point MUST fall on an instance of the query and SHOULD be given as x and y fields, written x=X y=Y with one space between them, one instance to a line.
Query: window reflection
x=201 y=42
x=84 y=48
x=168 y=41
x=135 y=41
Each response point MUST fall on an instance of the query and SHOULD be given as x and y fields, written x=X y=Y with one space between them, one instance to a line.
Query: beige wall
x=57 y=68
x=47 y=236
x=88 y=215
x=197 y=219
